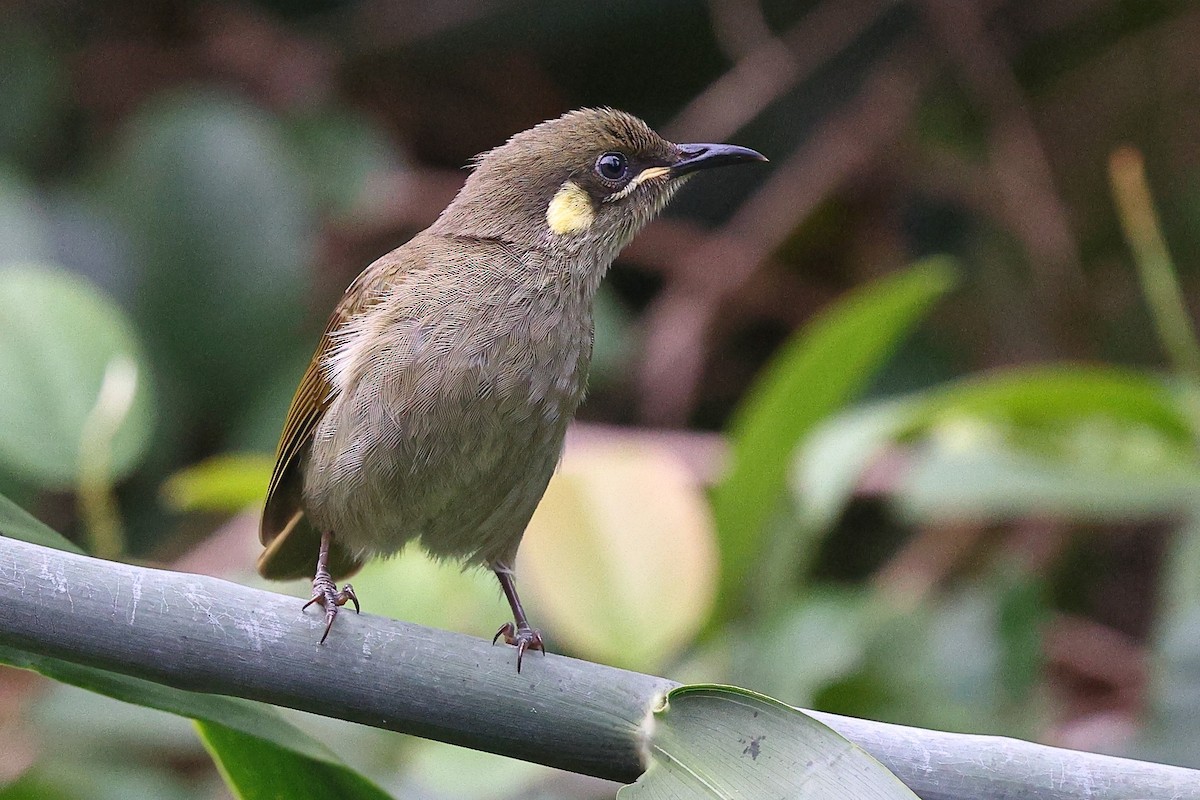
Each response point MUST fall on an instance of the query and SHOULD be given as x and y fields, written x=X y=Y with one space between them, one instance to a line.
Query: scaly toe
x=325 y=593
x=523 y=638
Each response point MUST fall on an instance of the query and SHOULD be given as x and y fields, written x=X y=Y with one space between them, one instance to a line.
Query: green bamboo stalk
x=207 y=635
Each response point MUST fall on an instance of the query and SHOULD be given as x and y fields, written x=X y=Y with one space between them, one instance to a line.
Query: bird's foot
x=522 y=637
x=326 y=593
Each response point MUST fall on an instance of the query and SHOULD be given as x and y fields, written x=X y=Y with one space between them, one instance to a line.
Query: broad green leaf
x=255 y=769
x=720 y=742
x=1052 y=395
x=226 y=483
x=622 y=541
x=222 y=236
x=1065 y=439
x=816 y=373
x=980 y=476
x=74 y=378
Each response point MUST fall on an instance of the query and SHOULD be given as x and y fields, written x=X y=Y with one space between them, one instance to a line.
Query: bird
x=436 y=404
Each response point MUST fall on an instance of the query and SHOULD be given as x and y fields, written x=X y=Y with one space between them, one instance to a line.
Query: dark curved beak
x=693 y=157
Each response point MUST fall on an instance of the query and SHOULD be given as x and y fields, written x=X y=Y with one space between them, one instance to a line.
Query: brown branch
x=771 y=69
x=1019 y=165
x=721 y=265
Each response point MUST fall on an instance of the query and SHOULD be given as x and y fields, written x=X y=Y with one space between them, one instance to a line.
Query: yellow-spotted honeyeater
x=436 y=404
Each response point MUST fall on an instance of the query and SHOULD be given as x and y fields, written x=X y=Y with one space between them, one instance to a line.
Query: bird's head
x=582 y=184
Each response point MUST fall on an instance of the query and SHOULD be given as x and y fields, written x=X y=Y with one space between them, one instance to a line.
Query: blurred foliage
x=969 y=508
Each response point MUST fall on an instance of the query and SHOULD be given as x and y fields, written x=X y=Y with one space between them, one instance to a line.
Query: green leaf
x=1051 y=395
x=1091 y=442
x=255 y=769
x=222 y=235
x=273 y=737
x=980 y=476
x=61 y=344
x=275 y=740
x=829 y=463
x=723 y=742
x=17 y=523
x=817 y=373
x=226 y=483
x=342 y=151
x=592 y=558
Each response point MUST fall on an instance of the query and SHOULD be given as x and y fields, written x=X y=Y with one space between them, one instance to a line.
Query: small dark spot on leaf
x=752 y=749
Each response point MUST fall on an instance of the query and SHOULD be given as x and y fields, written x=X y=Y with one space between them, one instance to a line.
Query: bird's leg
x=325 y=591
x=521 y=635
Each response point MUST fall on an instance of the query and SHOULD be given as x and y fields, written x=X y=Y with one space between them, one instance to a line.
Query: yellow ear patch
x=570 y=211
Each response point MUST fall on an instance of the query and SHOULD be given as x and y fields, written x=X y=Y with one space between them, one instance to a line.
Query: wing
x=291 y=541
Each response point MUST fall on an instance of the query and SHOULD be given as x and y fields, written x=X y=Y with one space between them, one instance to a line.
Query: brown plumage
x=436 y=404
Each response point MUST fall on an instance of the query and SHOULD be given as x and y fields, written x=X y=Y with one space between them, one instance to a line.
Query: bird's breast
x=444 y=417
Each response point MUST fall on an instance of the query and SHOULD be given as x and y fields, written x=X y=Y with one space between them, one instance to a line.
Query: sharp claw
x=330 y=616
x=325 y=593
x=347 y=593
x=523 y=638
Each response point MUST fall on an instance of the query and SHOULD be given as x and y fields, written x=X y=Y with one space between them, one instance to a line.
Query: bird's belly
x=461 y=469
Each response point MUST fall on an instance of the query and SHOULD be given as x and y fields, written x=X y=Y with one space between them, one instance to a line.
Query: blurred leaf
x=816 y=373
x=1174 y=726
x=17 y=523
x=54 y=780
x=226 y=483
x=275 y=742
x=842 y=621
x=986 y=478
x=258 y=770
x=439 y=594
x=614 y=337
x=23 y=230
x=953 y=662
x=722 y=742
x=223 y=238
x=58 y=338
x=831 y=460
x=439 y=770
x=342 y=150
x=619 y=558
x=253 y=719
x=1173 y=693
x=1094 y=442
x=1051 y=395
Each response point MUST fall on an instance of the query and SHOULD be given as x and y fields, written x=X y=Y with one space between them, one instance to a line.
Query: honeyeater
x=435 y=406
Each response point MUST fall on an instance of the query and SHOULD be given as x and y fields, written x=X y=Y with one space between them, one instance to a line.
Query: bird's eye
x=612 y=166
